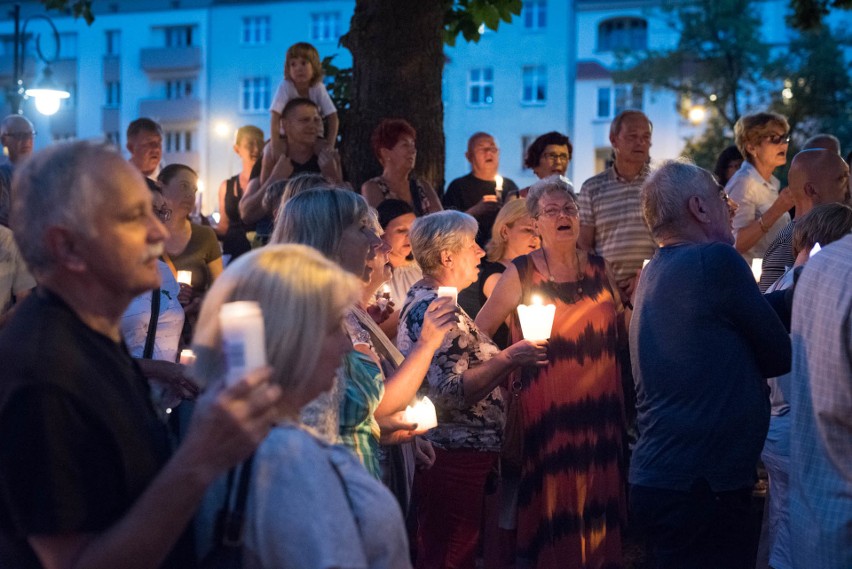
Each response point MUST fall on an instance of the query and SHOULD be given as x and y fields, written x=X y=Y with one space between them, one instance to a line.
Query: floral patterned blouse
x=478 y=426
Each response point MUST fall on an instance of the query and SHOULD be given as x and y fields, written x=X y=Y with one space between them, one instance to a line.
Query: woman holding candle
x=463 y=382
x=359 y=411
x=570 y=501
x=189 y=247
x=310 y=504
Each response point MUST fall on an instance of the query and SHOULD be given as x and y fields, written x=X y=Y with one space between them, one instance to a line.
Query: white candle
x=243 y=338
x=816 y=249
x=498 y=186
x=449 y=291
x=184 y=277
x=386 y=290
x=187 y=357
x=757 y=268
x=423 y=413
x=536 y=319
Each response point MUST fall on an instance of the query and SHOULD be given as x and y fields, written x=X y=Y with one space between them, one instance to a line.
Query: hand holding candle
x=184 y=277
x=423 y=413
x=449 y=291
x=536 y=319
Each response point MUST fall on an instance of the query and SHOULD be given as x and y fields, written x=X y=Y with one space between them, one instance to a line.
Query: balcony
x=169 y=59
x=110 y=119
x=171 y=110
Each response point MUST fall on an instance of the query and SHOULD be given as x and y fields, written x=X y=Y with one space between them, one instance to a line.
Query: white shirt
x=317 y=93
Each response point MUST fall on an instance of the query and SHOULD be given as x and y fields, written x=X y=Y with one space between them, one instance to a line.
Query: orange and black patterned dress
x=571 y=503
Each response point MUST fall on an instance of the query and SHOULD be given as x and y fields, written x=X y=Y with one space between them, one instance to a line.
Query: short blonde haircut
x=441 y=231
x=550 y=185
x=318 y=218
x=508 y=215
x=750 y=129
x=824 y=224
x=302 y=295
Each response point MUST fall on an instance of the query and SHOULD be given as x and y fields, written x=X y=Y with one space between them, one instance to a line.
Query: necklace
x=580 y=274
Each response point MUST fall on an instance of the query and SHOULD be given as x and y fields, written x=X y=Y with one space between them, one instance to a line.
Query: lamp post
x=46 y=94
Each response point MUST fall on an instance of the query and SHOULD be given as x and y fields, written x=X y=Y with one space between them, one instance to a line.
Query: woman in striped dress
x=571 y=498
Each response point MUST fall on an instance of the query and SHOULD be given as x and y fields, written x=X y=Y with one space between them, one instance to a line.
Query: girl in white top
x=762 y=138
x=302 y=78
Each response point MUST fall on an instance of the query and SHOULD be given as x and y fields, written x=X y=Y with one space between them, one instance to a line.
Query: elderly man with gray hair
x=86 y=476
x=702 y=340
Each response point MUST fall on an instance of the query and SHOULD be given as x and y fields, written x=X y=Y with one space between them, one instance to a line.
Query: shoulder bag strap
x=148 y=351
x=234 y=518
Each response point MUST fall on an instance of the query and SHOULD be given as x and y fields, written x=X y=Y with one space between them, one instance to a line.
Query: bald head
x=818 y=176
x=824 y=141
x=17 y=133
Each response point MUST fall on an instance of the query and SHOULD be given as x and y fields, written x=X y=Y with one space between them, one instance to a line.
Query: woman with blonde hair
x=303 y=297
x=763 y=139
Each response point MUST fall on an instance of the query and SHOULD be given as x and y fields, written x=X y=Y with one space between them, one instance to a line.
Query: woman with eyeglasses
x=763 y=139
x=153 y=338
x=571 y=502
x=548 y=155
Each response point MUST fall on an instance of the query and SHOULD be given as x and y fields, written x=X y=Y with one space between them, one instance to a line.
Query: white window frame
x=258 y=91
x=325 y=27
x=534 y=77
x=179 y=88
x=112 y=39
x=256 y=30
x=619 y=97
x=534 y=15
x=478 y=81
x=179 y=36
x=608 y=46
x=177 y=141
x=113 y=94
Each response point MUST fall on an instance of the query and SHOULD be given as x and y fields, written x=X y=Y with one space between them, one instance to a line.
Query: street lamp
x=46 y=94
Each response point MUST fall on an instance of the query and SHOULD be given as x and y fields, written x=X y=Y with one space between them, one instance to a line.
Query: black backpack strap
x=148 y=351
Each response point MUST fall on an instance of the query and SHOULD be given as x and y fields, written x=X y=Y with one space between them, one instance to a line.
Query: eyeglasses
x=725 y=197
x=19 y=136
x=567 y=211
x=777 y=138
x=163 y=213
x=556 y=157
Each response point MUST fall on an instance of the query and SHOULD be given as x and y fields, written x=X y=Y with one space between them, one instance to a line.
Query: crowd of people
x=667 y=374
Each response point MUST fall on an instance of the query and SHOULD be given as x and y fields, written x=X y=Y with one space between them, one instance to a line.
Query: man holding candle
x=480 y=193
x=86 y=479
x=702 y=340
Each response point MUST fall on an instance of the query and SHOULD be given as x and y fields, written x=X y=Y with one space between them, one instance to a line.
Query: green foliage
x=808 y=14
x=339 y=87
x=815 y=77
x=79 y=8
x=718 y=60
x=466 y=16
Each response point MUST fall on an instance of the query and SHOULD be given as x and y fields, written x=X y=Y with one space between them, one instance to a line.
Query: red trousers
x=449 y=499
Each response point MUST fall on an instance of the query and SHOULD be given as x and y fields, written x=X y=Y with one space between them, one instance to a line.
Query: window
x=113 y=138
x=535 y=85
x=113 y=94
x=325 y=26
x=480 y=87
x=255 y=30
x=177 y=141
x=113 y=42
x=613 y=100
x=623 y=33
x=179 y=88
x=534 y=14
x=179 y=36
x=255 y=96
x=67 y=48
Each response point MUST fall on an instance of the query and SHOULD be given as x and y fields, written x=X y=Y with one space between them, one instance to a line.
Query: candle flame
x=536 y=300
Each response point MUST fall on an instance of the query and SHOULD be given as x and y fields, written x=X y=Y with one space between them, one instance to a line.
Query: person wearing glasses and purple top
x=762 y=139
x=16 y=134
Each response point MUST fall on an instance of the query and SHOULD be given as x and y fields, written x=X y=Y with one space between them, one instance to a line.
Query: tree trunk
x=397 y=62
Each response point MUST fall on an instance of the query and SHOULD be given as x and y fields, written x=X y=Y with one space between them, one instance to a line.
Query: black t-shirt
x=79 y=438
x=265 y=224
x=465 y=192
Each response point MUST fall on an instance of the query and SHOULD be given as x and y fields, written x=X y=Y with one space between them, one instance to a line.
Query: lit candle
x=816 y=249
x=645 y=263
x=757 y=268
x=498 y=186
x=184 y=277
x=386 y=290
x=243 y=338
x=536 y=319
x=423 y=413
x=449 y=291
x=187 y=357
